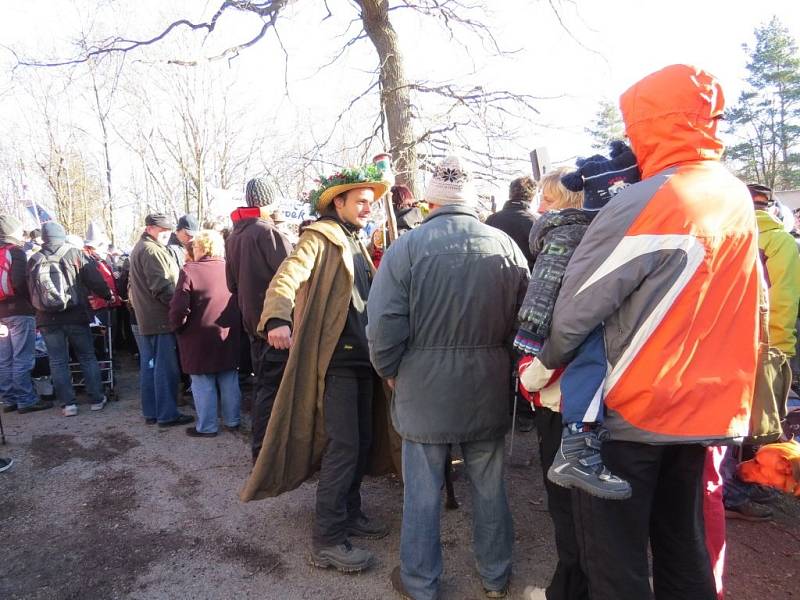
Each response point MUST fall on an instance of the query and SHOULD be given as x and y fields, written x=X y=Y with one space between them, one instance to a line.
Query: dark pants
x=666 y=510
x=568 y=582
x=348 y=425
x=268 y=367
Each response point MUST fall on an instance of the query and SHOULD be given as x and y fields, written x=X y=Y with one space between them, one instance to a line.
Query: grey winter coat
x=442 y=314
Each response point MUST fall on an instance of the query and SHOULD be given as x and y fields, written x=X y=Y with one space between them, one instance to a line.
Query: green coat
x=780 y=256
x=311 y=289
x=154 y=273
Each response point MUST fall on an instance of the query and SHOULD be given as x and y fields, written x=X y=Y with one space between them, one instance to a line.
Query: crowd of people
x=630 y=300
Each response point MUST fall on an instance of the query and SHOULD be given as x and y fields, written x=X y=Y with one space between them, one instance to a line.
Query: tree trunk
x=395 y=96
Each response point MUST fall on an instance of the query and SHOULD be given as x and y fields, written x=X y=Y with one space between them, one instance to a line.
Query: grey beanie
x=10 y=229
x=53 y=232
x=261 y=192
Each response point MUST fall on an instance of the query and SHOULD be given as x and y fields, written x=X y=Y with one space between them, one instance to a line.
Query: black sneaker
x=192 y=432
x=150 y=421
x=5 y=464
x=372 y=529
x=179 y=420
x=7 y=408
x=763 y=494
x=578 y=464
x=40 y=405
x=749 y=511
x=343 y=557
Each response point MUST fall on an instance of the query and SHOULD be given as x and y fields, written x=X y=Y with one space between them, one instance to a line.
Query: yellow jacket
x=781 y=260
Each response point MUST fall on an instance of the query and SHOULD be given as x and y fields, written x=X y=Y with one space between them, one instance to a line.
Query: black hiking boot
x=578 y=464
x=371 y=529
x=343 y=557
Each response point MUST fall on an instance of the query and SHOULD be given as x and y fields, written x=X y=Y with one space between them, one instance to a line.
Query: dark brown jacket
x=205 y=318
x=153 y=275
x=254 y=251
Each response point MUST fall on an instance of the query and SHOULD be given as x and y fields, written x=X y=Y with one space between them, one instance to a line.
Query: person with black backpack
x=17 y=324
x=58 y=278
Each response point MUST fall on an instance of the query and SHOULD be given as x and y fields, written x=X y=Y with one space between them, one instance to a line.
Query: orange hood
x=671 y=117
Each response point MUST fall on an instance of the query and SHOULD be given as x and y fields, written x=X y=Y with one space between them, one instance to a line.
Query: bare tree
x=489 y=113
x=102 y=108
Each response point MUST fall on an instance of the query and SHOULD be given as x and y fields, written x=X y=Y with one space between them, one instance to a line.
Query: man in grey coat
x=441 y=313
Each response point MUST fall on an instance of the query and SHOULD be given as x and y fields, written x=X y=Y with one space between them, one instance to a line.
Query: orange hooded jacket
x=669 y=266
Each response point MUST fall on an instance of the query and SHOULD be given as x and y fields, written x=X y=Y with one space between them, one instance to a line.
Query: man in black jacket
x=70 y=327
x=17 y=323
x=254 y=250
x=515 y=218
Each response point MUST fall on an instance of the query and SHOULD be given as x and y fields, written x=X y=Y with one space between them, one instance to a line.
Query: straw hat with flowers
x=368 y=176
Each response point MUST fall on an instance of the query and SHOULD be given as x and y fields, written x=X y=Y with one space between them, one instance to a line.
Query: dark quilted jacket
x=553 y=239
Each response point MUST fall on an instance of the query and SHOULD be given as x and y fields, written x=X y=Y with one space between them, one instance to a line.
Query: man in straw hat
x=443 y=308
x=316 y=307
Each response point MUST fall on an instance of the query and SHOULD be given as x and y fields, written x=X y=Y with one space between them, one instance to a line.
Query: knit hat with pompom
x=602 y=178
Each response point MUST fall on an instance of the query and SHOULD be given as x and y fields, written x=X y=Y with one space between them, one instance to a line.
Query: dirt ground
x=103 y=506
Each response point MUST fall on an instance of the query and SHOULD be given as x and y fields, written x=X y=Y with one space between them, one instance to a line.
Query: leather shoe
x=192 y=432
x=40 y=405
x=179 y=420
x=397 y=584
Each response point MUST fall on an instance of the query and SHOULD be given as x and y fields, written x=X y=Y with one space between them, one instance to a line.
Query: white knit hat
x=451 y=184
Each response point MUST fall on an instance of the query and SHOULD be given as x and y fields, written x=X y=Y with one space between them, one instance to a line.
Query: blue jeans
x=492 y=529
x=16 y=361
x=204 y=392
x=159 y=375
x=735 y=492
x=583 y=380
x=59 y=339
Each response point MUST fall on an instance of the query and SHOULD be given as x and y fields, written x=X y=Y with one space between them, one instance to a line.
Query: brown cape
x=315 y=285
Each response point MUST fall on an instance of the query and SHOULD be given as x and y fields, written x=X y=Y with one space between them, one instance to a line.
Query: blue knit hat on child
x=602 y=178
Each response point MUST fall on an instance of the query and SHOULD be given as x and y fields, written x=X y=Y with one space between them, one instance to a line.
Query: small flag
x=38 y=213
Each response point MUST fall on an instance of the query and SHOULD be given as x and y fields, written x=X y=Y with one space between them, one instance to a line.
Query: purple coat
x=206 y=320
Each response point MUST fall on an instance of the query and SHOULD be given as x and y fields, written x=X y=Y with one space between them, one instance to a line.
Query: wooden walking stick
x=384 y=163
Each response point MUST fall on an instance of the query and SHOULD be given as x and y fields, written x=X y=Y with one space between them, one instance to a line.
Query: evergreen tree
x=608 y=125
x=766 y=118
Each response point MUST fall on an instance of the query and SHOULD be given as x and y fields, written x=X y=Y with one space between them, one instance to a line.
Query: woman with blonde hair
x=553 y=195
x=206 y=320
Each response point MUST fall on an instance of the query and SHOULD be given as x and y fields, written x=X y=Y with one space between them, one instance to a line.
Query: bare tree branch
x=572 y=35
x=268 y=9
